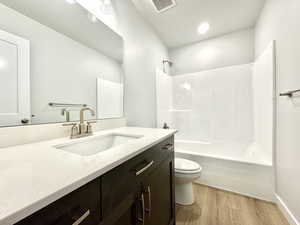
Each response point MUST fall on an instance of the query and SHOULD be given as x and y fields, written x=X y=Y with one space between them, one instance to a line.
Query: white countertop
x=35 y=175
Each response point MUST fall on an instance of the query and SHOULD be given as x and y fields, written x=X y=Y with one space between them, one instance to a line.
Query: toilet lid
x=186 y=165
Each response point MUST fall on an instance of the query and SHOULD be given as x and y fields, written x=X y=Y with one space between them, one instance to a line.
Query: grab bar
x=54 y=104
x=289 y=93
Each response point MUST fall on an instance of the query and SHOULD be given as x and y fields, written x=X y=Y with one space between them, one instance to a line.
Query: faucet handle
x=74 y=129
x=89 y=128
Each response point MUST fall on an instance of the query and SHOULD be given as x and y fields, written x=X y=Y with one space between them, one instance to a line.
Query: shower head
x=167 y=61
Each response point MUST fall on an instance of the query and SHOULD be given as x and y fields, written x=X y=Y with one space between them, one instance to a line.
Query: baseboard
x=286 y=212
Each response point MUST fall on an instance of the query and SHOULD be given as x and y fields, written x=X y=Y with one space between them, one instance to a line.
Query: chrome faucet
x=82 y=129
x=82 y=125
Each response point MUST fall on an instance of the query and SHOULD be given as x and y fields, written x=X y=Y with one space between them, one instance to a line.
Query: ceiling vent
x=163 y=5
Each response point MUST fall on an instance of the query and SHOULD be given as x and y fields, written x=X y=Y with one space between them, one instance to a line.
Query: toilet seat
x=185 y=166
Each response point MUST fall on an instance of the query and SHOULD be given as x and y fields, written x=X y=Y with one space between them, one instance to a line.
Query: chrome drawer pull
x=82 y=218
x=142 y=200
x=169 y=147
x=144 y=169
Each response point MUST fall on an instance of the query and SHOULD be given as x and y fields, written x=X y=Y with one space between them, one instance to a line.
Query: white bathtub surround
x=225 y=123
x=226 y=105
x=240 y=152
x=10 y=136
x=35 y=175
x=263 y=84
x=213 y=105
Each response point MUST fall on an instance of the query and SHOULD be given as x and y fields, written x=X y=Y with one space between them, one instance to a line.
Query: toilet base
x=184 y=193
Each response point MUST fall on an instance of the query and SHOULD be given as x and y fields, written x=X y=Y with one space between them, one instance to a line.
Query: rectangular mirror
x=55 y=58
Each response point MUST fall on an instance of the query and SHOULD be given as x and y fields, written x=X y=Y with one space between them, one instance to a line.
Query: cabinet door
x=128 y=217
x=159 y=194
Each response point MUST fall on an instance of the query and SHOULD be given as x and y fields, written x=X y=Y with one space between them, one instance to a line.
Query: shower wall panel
x=214 y=106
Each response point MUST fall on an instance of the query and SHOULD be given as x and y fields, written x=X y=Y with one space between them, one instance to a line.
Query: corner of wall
x=286 y=212
x=143 y=53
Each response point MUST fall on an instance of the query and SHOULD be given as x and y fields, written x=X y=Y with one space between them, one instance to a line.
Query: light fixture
x=203 y=28
x=92 y=17
x=71 y=2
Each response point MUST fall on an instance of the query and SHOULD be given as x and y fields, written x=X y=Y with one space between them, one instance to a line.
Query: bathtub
x=237 y=167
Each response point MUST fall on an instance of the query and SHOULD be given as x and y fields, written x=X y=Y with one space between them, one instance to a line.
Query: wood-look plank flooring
x=217 y=207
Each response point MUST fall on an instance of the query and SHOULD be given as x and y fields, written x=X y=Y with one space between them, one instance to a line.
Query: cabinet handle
x=169 y=147
x=142 y=200
x=144 y=169
x=82 y=218
x=148 y=210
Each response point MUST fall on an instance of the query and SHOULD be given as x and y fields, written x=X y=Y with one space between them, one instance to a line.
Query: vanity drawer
x=150 y=159
x=163 y=149
x=121 y=186
x=83 y=204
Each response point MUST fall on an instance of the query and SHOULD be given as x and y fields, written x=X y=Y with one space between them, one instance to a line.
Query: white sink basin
x=93 y=145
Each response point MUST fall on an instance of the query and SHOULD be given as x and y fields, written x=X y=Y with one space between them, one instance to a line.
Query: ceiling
x=178 y=26
x=72 y=21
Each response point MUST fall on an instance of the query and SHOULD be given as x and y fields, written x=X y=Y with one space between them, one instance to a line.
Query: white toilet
x=186 y=171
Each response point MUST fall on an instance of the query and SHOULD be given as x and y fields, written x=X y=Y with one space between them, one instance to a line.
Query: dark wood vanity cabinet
x=141 y=191
x=154 y=203
x=138 y=192
x=83 y=205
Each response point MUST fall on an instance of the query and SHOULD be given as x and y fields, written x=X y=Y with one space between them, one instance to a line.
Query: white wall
x=280 y=21
x=232 y=49
x=144 y=52
x=62 y=70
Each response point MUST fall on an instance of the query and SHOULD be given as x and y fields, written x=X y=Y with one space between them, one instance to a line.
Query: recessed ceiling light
x=203 y=28
x=71 y=1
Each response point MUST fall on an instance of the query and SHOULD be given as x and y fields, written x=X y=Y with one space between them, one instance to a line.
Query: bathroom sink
x=93 y=145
